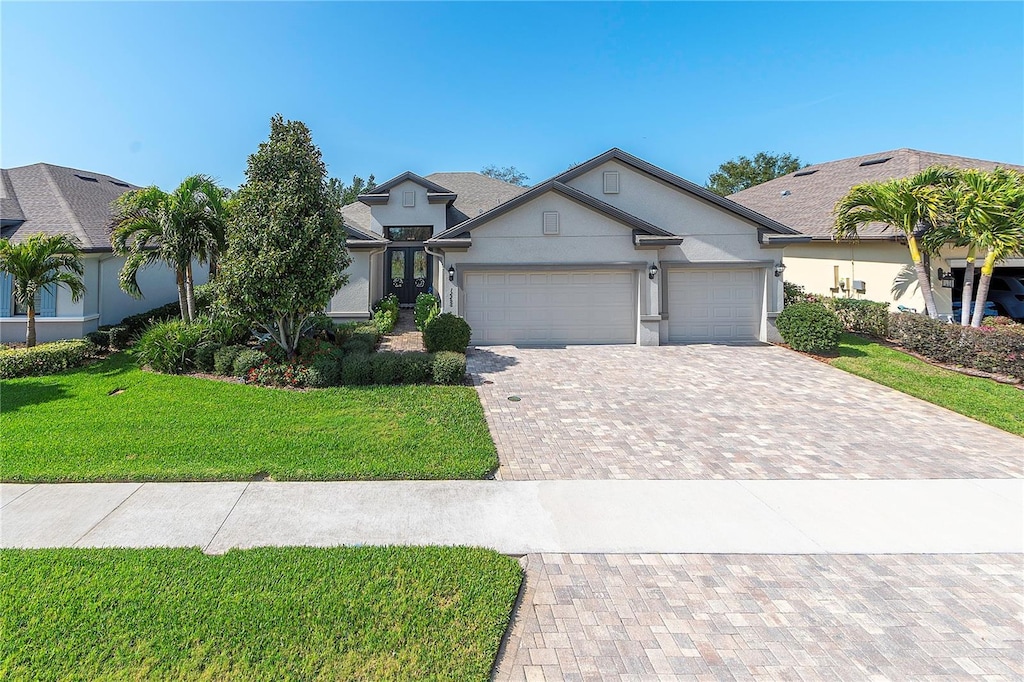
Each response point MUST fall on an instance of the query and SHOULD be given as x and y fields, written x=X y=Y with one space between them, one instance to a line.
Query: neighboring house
x=54 y=200
x=877 y=266
x=614 y=250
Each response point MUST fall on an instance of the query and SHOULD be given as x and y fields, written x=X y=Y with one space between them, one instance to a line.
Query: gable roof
x=59 y=200
x=572 y=193
x=379 y=193
x=677 y=182
x=474 y=194
x=804 y=200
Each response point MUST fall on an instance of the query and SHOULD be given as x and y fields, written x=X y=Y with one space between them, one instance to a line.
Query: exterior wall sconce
x=779 y=269
x=451 y=273
x=652 y=271
x=947 y=279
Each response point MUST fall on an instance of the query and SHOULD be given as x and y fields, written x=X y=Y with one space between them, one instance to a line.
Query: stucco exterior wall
x=884 y=267
x=157 y=282
x=352 y=301
x=12 y=329
x=394 y=214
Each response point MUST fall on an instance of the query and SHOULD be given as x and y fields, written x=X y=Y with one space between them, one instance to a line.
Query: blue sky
x=152 y=92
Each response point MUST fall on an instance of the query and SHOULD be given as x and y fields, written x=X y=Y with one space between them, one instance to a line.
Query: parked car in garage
x=1007 y=292
x=990 y=310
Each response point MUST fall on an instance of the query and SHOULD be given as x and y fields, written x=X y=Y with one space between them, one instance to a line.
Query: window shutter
x=550 y=222
x=48 y=301
x=6 y=294
x=408 y=198
x=611 y=182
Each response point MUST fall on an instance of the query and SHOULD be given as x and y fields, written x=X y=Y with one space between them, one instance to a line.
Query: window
x=550 y=222
x=611 y=182
x=409 y=198
x=419 y=233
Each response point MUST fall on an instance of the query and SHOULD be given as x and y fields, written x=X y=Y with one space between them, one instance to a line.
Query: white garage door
x=714 y=306
x=551 y=307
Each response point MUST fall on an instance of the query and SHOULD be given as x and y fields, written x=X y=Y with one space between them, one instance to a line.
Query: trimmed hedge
x=122 y=336
x=248 y=360
x=204 y=359
x=357 y=370
x=224 y=359
x=447 y=332
x=809 y=327
x=46 y=358
x=999 y=350
x=100 y=339
x=860 y=316
x=449 y=368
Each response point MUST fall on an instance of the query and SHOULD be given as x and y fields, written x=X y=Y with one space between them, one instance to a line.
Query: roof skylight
x=875 y=162
x=86 y=178
x=800 y=174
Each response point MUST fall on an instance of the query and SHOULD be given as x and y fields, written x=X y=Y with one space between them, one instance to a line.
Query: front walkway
x=718 y=412
x=404 y=337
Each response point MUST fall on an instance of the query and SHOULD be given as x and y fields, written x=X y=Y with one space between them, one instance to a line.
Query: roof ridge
x=80 y=232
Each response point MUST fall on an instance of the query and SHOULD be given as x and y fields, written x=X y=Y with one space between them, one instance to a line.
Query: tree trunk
x=182 y=298
x=968 y=289
x=30 y=327
x=982 y=297
x=190 y=294
x=214 y=257
x=923 y=280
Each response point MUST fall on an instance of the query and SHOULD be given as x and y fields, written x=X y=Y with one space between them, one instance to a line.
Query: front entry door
x=408 y=273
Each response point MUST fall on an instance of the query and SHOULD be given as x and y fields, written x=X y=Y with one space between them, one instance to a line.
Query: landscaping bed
x=374 y=613
x=112 y=421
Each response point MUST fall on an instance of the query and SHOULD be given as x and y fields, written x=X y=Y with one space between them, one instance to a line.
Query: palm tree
x=41 y=261
x=911 y=205
x=1001 y=231
x=151 y=225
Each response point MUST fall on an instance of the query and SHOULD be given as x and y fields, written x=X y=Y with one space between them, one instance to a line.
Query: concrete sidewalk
x=518 y=517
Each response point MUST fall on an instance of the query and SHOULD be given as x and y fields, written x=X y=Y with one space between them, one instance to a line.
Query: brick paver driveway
x=725 y=617
x=728 y=412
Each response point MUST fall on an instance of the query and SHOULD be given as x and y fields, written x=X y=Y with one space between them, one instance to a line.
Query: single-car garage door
x=714 y=306
x=551 y=307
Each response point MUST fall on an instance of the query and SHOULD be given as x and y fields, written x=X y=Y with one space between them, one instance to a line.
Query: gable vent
x=874 y=162
x=800 y=174
x=86 y=178
x=550 y=222
x=409 y=198
x=611 y=182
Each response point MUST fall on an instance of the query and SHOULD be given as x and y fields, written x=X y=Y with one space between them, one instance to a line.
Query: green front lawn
x=368 y=613
x=113 y=422
x=996 y=404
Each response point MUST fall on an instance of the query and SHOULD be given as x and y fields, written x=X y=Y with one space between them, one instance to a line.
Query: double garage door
x=551 y=307
x=554 y=307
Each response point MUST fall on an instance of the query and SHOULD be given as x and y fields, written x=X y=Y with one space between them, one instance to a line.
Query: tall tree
x=41 y=261
x=743 y=172
x=286 y=244
x=349 y=194
x=912 y=205
x=509 y=174
x=1001 y=233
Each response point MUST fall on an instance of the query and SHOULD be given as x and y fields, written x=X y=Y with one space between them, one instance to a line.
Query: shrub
x=385 y=319
x=997 y=349
x=387 y=368
x=389 y=302
x=285 y=376
x=224 y=359
x=362 y=340
x=447 y=332
x=275 y=352
x=449 y=368
x=809 y=327
x=224 y=329
x=246 y=360
x=100 y=339
x=121 y=336
x=864 y=317
x=46 y=358
x=417 y=368
x=428 y=306
x=204 y=360
x=169 y=347
x=356 y=370
x=327 y=370
x=310 y=348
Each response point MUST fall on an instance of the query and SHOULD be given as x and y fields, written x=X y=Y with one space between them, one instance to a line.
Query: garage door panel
x=557 y=307
x=714 y=306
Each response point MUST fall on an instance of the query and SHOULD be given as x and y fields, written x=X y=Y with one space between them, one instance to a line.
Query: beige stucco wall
x=353 y=301
x=885 y=268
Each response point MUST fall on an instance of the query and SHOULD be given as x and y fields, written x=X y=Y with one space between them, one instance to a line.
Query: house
x=877 y=266
x=614 y=250
x=53 y=200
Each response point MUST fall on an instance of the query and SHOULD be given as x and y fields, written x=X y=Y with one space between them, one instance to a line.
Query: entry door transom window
x=418 y=233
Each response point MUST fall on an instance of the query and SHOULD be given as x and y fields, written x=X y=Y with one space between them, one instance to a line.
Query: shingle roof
x=59 y=200
x=804 y=200
x=475 y=192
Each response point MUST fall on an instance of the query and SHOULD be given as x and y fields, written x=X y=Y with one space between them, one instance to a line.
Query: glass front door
x=408 y=273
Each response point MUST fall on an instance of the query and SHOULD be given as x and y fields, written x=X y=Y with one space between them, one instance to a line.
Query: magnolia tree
x=286 y=245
